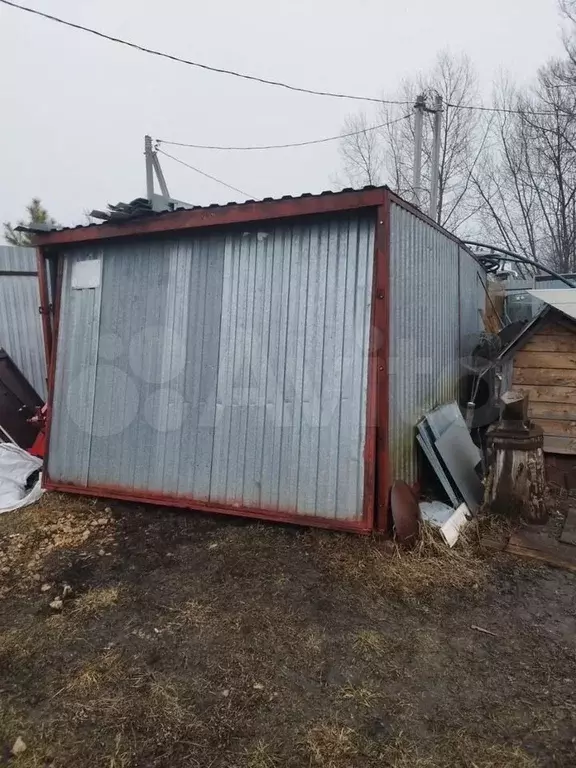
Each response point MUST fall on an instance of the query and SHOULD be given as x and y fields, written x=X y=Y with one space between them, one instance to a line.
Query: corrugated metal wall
x=227 y=368
x=20 y=322
x=472 y=302
x=434 y=301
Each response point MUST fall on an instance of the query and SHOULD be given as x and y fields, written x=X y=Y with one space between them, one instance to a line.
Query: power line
x=243 y=75
x=501 y=110
x=203 y=173
x=208 y=67
x=258 y=147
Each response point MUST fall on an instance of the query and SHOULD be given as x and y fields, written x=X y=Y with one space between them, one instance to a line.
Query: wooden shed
x=541 y=362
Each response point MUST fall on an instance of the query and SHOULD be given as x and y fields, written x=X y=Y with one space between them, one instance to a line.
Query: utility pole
x=419 y=108
x=149 y=157
x=435 y=173
x=163 y=201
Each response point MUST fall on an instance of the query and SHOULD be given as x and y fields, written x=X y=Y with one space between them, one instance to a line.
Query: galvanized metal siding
x=20 y=323
x=424 y=331
x=15 y=258
x=472 y=302
x=230 y=368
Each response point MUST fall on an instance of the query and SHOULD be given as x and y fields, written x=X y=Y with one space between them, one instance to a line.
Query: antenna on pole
x=419 y=107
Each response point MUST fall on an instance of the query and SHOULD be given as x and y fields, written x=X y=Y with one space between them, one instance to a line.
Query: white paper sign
x=86 y=274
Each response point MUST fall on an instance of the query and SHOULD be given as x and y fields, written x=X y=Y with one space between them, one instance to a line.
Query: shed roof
x=545 y=315
x=562 y=299
x=138 y=219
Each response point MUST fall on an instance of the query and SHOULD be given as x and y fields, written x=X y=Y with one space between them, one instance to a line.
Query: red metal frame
x=381 y=334
x=44 y=304
x=376 y=475
x=51 y=363
x=166 y=500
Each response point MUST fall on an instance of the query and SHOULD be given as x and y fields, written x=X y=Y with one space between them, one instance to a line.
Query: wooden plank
x=557 y=428
x=563 y=360
x=556 y=377
x=559 y=329
x=542 y=342
x=494 y=306
x=555 y=559
x=542 y=547
x=560 y=411
x=496 y=542
x=563 y=445
x=548 y=394
x=568 y=535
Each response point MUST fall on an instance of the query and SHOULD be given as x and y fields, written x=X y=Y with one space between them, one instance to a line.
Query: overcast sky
x=75 y=108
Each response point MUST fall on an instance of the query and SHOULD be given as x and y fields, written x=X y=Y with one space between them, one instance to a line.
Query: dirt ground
x=192 y=640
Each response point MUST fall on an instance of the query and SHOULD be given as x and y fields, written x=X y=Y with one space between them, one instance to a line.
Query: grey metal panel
x=229 y=368
x=75 y=380
x=453 y=447
x=424 y=331
x=20 y=322
x=15 y=258
x=442 y=418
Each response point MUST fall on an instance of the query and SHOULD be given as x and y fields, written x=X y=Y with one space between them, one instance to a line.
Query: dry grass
x=370 y=643
x=330 y=746
x=459 y=750
x=313 y=641
x=166 y=702
x=192 y=613
x=16 y=645
x=121 y=756
x=430 y=566
x=277 y=647
x=261 y=755
x=362 y=695
x=104 y=670
x=95 y=601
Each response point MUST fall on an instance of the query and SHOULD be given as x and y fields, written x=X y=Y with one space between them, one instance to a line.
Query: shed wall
x=230 y=369
x=20 y=322
x=544 y=368
x=435 y=295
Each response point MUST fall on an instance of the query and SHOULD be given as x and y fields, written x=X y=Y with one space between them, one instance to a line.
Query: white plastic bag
x=16 y=466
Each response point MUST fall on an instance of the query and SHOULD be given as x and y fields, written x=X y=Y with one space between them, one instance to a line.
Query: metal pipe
x=435 y=173
x=149 y=167
x=522 y=259
x=417 y=170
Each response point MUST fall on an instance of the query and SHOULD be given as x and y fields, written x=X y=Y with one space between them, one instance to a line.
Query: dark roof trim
x=217 y=216
x=238 y=213
x=547 y=313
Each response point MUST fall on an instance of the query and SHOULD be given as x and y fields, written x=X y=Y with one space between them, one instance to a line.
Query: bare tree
x=386 y=154
x=361 y=152
x=568 y=9
x=527 y=184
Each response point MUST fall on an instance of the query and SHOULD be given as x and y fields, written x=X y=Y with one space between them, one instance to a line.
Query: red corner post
x=381 y=353
x=44 y=307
